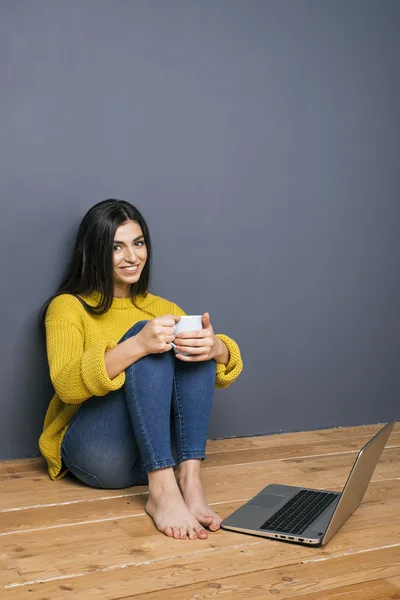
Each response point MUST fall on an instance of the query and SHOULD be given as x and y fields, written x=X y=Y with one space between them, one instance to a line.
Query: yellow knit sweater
x=76 y=344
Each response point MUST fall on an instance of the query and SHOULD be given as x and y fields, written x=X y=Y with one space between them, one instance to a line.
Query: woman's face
x=129 y=250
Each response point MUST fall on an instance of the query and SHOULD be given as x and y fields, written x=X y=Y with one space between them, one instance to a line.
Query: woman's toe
x=202 y=533
x=177 y=533
x=183 y=533
x=204 y=520
x=169 y=532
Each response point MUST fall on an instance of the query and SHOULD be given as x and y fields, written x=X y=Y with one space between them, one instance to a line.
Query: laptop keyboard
x=301 y=510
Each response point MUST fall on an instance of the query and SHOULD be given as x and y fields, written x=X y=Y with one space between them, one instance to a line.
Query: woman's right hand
x=157 y=335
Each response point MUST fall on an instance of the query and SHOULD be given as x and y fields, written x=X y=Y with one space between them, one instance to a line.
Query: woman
x=118 y=387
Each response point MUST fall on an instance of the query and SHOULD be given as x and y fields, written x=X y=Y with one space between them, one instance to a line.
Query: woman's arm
x=223 y=355
x=123 y=355
x=77 y=374
x=227 y=374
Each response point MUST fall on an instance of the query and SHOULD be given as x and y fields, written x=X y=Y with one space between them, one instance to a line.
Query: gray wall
x=261 y=141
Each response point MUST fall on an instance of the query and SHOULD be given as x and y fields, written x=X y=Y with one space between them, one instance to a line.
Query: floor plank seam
x=192 y=554
x=328 y=454
x=350 y=552
x=89 y=522
x=67 y=502
x=283 y=458
x=121 y=517
x=257 y=446
x=395 y=433
x=39 y=506
x=203 y=582
x=128 y=565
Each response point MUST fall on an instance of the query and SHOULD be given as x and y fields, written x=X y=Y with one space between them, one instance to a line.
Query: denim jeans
x=163 y=408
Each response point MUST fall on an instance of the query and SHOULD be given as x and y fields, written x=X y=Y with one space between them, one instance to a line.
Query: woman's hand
x=157 y=335
x=202 y=345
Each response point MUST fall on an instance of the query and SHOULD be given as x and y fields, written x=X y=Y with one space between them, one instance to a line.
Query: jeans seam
x=143 y=424
x=86 y=473
x=178 y=410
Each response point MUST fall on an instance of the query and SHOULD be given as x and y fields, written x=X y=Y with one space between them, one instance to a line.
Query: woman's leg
x=115 y=440
x=193 y=393
x=148 y=392
x=150 y=386
x=192 y=402
x=190 y=386
x=100 y=448
x=160 y=386
x=178 y=390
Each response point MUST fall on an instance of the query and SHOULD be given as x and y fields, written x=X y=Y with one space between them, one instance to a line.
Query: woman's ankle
x=189 y=469
x=162 y=480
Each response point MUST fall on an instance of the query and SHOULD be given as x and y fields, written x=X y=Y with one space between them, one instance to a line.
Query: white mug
x=187 y=323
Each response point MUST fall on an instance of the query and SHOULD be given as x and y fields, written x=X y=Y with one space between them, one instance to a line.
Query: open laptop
x=305 y=515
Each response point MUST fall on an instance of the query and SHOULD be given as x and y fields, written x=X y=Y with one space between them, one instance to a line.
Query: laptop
x=305 y=515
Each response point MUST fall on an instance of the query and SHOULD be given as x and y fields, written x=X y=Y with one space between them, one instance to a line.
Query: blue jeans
x=114 y=441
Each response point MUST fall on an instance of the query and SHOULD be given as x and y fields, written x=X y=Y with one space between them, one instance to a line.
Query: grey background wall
x=260 y=140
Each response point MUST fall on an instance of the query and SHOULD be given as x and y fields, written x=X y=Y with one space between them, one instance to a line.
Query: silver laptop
x=305 y=515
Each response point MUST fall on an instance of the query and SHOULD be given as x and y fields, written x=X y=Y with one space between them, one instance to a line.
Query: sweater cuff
x=226 y=374
x=93 y=370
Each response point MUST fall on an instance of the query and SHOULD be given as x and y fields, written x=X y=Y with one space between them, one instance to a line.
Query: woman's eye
x=141 y=242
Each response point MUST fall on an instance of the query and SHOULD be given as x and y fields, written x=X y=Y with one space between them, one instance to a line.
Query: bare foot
x=194 y=496
x=171 y=516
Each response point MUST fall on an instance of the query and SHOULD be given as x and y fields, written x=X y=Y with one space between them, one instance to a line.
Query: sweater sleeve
x=225 y=374
x=76 y=374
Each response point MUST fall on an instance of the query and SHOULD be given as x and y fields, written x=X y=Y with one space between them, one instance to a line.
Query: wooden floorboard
x=378 y=589
x=224 y=483
x=276 y=441
x=63 y=540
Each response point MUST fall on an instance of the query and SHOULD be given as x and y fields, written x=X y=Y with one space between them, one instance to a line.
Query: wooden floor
x=65 y=540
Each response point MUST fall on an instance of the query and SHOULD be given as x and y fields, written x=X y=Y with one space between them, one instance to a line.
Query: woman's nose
x=131 y=255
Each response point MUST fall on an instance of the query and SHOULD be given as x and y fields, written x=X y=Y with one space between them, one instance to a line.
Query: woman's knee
x=206 y=368
x=134 y=330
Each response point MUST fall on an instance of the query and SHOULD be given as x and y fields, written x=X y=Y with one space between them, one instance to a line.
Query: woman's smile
x=129 y=270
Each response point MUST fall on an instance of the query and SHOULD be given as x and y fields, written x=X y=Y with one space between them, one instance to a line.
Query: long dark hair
x=91 y=264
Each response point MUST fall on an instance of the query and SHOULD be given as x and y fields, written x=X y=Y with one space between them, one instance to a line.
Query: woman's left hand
x=202 y=345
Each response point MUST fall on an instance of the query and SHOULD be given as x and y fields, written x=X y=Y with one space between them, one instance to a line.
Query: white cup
x=187 y=323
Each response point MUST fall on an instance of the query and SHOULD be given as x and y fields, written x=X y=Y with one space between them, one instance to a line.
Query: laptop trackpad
x=266 y=500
